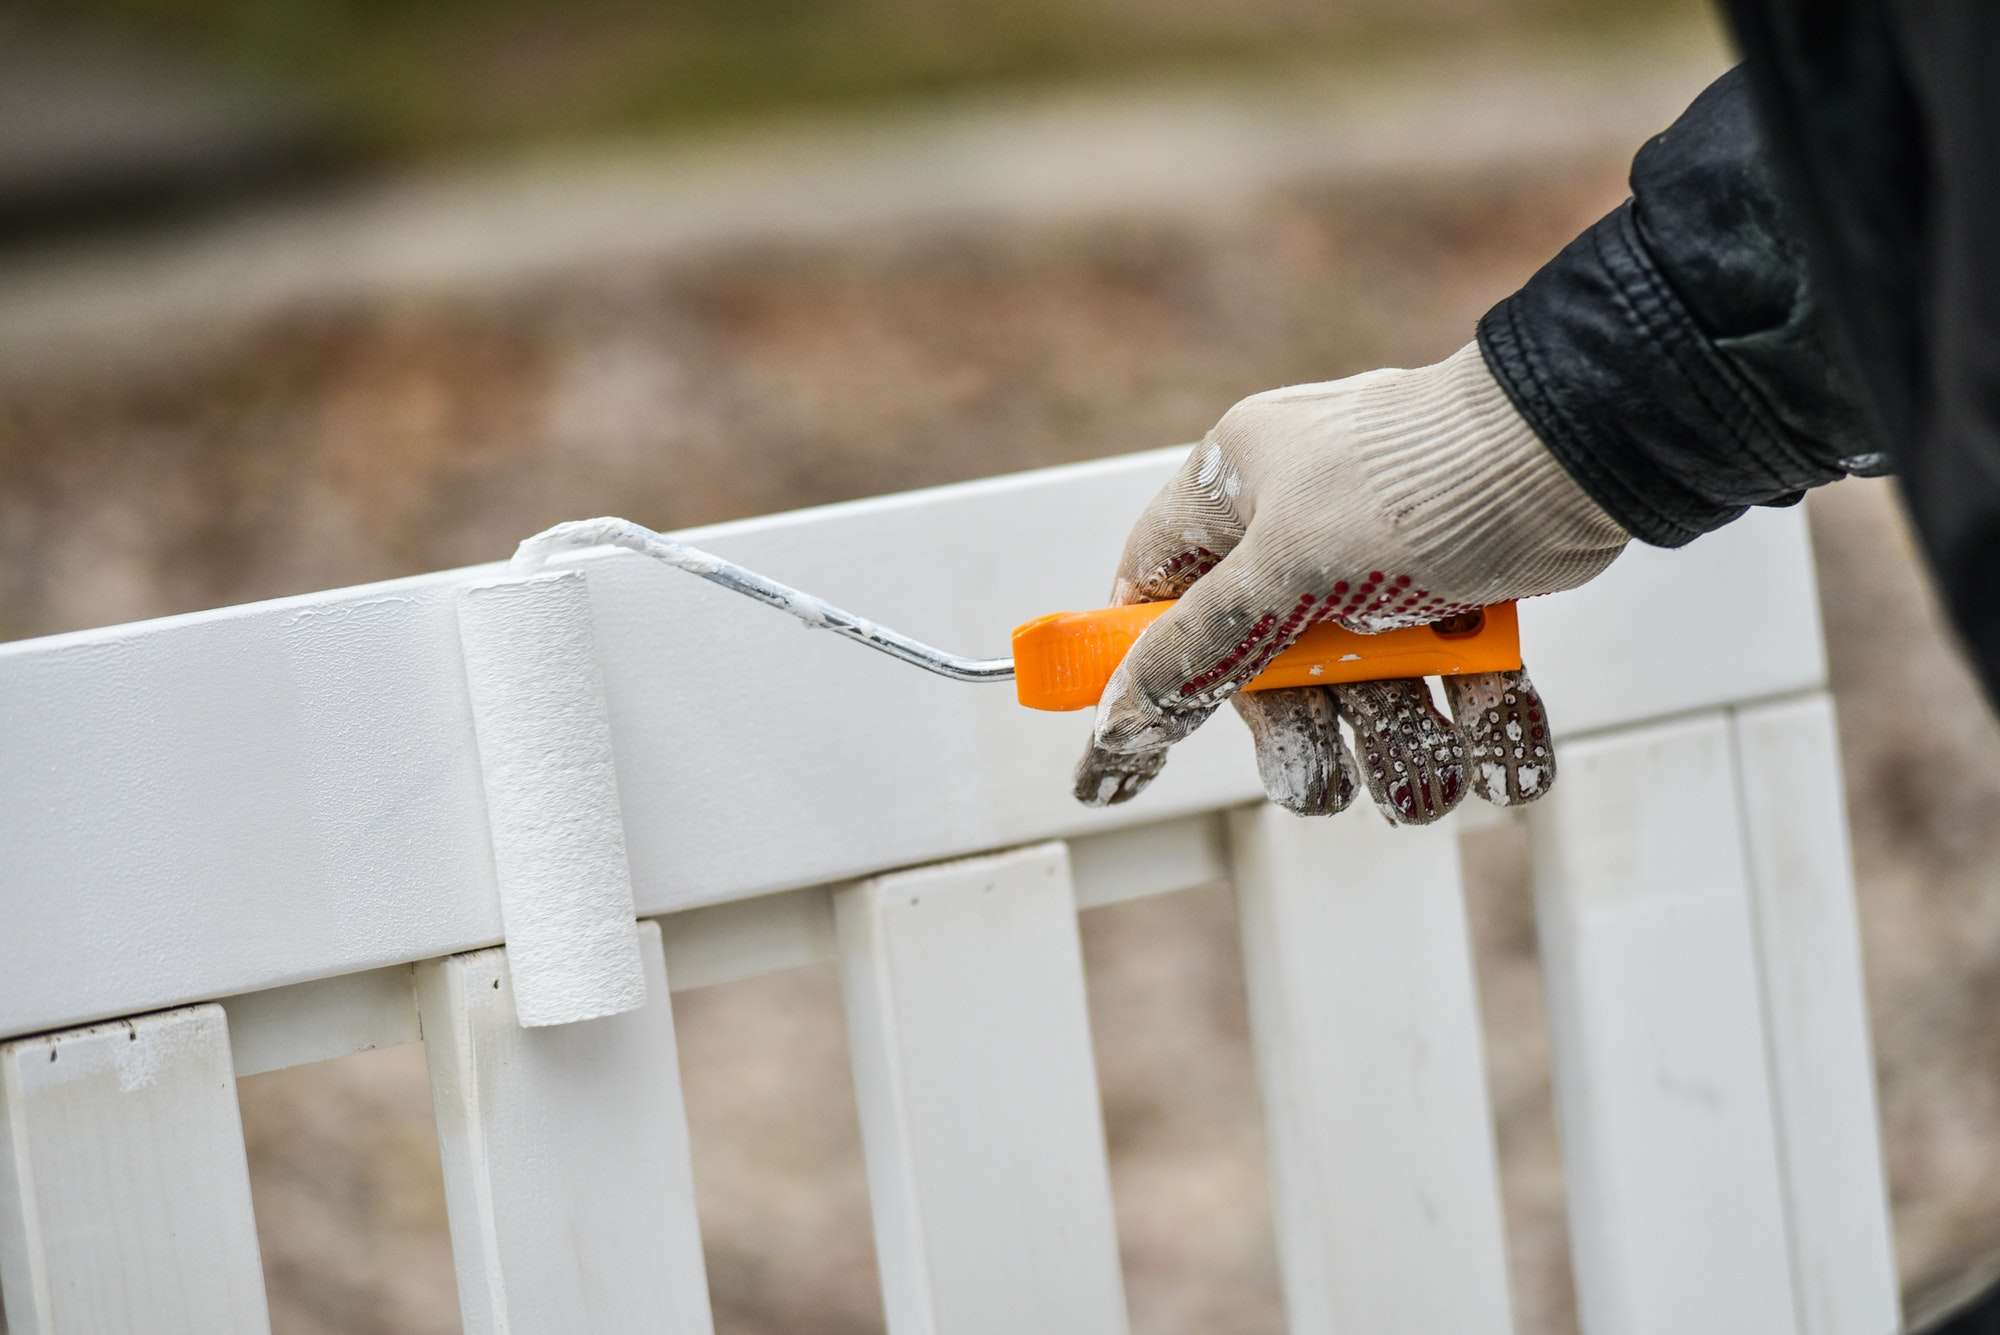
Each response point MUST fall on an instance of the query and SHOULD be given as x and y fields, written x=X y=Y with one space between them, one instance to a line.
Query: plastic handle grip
x=1063 y=660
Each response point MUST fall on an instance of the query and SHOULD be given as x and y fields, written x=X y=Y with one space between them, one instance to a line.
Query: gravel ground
x=346 y=442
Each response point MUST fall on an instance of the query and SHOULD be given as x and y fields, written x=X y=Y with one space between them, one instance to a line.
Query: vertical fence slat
x=1366 y=1024
x=567 y=1175
x=124 y=1193
x=1808 y=943
x=978 y=1098
x=1668 y=1126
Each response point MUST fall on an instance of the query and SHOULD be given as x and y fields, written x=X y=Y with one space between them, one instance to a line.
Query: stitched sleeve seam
x=1580 y=454
x=1677 y=334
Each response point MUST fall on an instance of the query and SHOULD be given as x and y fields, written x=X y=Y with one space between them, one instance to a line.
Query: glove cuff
x=1466 y=482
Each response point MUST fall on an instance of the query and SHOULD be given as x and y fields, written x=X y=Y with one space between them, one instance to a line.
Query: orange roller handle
x=1063 y=660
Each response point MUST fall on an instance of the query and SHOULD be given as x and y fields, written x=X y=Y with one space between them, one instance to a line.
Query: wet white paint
x=609 y=531
x=551 y=786
x=1209 y=471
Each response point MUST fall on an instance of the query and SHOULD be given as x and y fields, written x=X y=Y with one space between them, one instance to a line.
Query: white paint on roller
x=552 y=798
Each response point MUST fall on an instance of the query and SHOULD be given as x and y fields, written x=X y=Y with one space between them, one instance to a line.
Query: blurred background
x=301 y=293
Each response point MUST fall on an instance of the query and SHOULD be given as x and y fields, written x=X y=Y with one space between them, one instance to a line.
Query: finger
x=1305 y=766
x=1412 y=757
x=1506 y=731
x=1104 y=778
x=1118 y=770
x=1223 y=631
x=1183 y=533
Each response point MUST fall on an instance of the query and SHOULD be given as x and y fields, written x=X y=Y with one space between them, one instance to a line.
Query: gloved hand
x=1387 y=499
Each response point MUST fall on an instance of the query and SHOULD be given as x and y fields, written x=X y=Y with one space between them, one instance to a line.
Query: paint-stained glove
x=1388 y=499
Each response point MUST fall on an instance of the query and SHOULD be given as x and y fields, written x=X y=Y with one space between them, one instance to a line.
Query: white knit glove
x=1387 y=499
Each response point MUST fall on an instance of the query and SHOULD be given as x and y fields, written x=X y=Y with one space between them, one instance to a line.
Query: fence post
x=1366 y=1024
x=978 y=1098
x=565 y=1154
x=1815 y=1009
x=1669 y=1131
x=124 y=1192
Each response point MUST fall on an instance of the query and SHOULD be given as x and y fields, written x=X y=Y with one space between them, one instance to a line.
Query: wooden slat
x=334 y=1017
x=565 y=1153
x=718 y=943
x=1808 y=947
x=1116 y=865
x=1649 y=639
x=748 y=937
x=1368 y=1046
x=160 y=780
x=1677 y=1220
x=124 y=1195
x=978 y=1098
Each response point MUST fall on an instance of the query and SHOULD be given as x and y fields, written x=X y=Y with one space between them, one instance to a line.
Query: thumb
x=1224 y=630
x=1221 y=633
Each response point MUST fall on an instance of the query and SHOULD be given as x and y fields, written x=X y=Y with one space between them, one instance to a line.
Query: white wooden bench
x=250 y=838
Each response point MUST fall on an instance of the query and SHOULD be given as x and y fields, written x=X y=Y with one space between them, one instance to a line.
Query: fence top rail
x=225 y=801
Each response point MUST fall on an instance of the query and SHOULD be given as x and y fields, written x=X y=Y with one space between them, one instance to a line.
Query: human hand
x=1388 y=499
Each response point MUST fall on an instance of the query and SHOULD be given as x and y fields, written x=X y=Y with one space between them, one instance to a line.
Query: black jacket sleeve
x=1673 y=356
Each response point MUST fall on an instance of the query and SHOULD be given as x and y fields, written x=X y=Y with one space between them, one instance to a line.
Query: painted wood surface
x=718 y=943
x=1367 y=1035
x=978 y=1098
x=262 y=795
x=1116 y=865
x=1822 y=1069
x=124 y=1194
x=565 y=1151
x=321 y=1020
x=748 y=937
x=1650 y=964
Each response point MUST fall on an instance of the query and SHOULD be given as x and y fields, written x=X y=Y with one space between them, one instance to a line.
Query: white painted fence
x=245 y=839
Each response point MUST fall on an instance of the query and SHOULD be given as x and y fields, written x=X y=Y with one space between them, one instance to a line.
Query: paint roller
x=557 y=834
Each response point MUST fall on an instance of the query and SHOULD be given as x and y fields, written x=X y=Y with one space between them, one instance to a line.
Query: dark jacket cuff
x=1606 y=363
x=1672 y=357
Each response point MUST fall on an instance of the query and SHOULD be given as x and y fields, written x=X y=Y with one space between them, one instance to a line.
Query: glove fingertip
x=1106 y=778
x=1302 y=762
x=1506 y=728
x=1413 y=758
